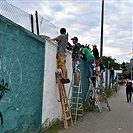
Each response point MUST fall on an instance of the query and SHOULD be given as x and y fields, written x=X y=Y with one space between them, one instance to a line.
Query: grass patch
x=87 y=107
x=52 y=127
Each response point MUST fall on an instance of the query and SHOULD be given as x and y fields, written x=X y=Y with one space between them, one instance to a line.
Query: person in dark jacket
x=96 y=55
x=102 y=69
x=76 y=58
x=112 y=75
x=128 y=90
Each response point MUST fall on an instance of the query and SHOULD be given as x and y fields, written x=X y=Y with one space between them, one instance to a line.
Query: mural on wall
x=21 y=78
x=8 y=86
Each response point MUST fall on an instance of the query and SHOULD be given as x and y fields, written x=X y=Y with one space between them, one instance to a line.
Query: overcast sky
x=82 y=18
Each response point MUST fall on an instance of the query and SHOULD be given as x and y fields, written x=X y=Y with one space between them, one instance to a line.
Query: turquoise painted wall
x=85 y=81
x=22 y=68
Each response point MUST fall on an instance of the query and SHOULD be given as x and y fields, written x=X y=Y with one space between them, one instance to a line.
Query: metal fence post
x=37 y=24
x=32 y=23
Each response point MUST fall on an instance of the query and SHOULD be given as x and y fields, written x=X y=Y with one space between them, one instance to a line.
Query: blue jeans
x=112 y=78
x=89 y=62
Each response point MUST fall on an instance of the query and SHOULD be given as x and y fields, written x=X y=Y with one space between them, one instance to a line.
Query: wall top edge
x=51 y=41
x=16 y=26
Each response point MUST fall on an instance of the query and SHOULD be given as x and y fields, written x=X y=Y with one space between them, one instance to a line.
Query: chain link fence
x=47 y=28
x=28 y=21
x=14 y=14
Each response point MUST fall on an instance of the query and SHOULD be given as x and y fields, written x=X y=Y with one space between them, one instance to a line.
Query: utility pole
x=132 y=62
x=101 y=41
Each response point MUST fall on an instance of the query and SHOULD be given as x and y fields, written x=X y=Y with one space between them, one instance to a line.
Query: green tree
x=123 y=66
x=109 y=62
x=126 y=74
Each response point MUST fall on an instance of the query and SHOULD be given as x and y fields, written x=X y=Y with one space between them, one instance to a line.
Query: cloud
x=82 y=18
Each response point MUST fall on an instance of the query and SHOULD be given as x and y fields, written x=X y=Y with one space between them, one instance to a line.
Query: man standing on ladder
x=61 y=54
x=76 y=100
x=76 y=59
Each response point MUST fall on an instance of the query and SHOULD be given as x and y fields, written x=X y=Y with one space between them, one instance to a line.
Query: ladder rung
x=67 y=110
x=77 y=97
x=77 y=103
x=75 y=86
x=77 y=114
x=65 y=104
x=76 y=92
x=68 y=118
x=76 y=109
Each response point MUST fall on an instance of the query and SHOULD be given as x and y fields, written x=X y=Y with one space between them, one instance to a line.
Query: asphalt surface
x=118 y=120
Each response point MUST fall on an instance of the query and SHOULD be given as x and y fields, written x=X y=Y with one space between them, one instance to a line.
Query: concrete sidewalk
x=118 y=120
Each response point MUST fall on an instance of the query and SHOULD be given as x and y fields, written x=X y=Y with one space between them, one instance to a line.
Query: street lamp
x=131 y=61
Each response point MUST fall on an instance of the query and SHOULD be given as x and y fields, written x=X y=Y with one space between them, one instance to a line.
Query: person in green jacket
x=90 y=59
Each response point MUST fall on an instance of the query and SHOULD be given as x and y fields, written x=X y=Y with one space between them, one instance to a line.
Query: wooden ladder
x=66 y=111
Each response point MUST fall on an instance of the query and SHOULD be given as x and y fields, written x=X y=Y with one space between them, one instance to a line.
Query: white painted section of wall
x=108 y=81
x=104 y=76
x=118 y=71
x=51 y=107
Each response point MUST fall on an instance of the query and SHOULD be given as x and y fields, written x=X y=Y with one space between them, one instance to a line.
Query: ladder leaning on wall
x=93 y=89
x=76 y=100
x=92 y=94
x=66 y=111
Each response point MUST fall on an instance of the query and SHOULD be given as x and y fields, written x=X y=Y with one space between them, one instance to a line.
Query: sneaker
x=65 y=81
x=68 y=80
x=93 y=79
x=90 y=77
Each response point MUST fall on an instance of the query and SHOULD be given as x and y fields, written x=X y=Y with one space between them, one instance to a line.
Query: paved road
x=118 y=120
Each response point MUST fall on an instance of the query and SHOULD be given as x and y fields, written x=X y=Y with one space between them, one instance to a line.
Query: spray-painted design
x=1 y=118
x=3 y=90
